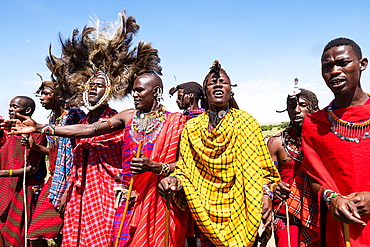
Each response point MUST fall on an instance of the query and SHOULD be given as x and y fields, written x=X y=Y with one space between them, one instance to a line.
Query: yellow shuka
x=223 y=172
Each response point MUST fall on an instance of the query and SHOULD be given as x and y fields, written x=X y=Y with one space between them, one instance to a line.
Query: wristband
x=48 y=129
x=266 y=191
x=10 y=172
x=165 y=169
x=328 y=195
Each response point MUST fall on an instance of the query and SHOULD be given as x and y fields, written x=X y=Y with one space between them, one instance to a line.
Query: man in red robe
x=336 y=146
x=147 y=219
x=286 y=152
x=12 y=220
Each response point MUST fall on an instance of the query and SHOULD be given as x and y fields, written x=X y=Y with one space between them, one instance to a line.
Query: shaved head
x=27 y=102
x=152 y=79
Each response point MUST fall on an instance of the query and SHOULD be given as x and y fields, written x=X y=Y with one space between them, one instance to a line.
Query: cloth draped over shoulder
x=12 y=218
x=149 y=211
x=90 y=203
x=64 y=159
x=341 y=166
x=223 y=172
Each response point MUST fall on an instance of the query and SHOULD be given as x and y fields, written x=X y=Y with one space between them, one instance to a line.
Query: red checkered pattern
x=90 y=209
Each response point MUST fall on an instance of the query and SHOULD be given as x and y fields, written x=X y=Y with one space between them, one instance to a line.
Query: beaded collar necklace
x=147 y=126
x=293 y=147
x=348 y=131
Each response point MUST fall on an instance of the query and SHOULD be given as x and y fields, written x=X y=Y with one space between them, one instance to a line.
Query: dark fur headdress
x=102 y=47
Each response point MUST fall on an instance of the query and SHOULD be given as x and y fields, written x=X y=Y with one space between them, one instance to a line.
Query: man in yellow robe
x=224 y=170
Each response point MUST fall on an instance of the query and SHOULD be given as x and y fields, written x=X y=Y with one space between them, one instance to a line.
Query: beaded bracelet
x=266 y=191
x=48 y=129
x=165 y=169
x=328 y=195
x=10 y=172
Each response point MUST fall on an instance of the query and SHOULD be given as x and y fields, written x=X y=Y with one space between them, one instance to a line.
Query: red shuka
x=341 y=166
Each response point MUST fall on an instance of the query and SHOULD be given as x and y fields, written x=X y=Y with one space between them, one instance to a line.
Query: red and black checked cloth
x=90 y=204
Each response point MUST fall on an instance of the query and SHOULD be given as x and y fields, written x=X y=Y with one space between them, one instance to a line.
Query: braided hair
x=190 y=87
x=313 y=102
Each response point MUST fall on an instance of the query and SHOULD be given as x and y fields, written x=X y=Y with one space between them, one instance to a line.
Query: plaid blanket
x=89 y=213
x=223 y=172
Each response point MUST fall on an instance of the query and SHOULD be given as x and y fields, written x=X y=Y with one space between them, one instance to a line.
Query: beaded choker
x=292 y=147
x=147 y=126
x=220 y=114
x=348 y=131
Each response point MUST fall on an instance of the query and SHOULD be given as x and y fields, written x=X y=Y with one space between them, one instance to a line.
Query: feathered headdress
x=104 y=50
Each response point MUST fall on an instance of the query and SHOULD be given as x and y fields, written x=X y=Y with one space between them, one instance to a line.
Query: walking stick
x=167 y=223
x=25 y=198
x=128 y=196
x=346 y=235
x=287 y=222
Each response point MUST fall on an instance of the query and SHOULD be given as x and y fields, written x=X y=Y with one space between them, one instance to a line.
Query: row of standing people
x=222 y=172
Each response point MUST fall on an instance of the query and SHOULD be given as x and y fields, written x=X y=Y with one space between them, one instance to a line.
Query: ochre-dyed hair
x=216 y=69
x=344 y=41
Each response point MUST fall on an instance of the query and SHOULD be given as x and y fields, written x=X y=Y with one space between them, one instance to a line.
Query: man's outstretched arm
x=118 y=121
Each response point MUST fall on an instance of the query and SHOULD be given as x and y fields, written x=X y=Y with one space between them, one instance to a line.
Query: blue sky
x=263 y=45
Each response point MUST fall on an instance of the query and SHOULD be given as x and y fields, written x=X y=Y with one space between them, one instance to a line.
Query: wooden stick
x=167 y=223
x=287 y=223
x=347 y=239
x=25 y=198
x=128 y=197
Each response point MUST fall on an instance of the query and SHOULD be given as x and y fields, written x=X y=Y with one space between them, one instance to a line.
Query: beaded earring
x=159 y=92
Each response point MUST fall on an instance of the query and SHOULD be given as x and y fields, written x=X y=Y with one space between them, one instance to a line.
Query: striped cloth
x=11 y=204
x=129 y=147
x=147 y=223
x=46 y=222
x=64 y=158
x=223 y=172
x=189 y=114
x=89 y=212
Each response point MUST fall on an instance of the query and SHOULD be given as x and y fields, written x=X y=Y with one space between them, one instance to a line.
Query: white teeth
x=218 y=93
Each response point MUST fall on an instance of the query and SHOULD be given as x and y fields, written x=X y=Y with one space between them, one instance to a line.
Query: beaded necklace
x=147 y=126
x=348 y=131
x=293 y=147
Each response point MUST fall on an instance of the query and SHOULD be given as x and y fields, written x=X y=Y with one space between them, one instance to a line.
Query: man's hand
x=282 y=191
x=266 y=210
x=26 y=126
x=168 y=186
x=27 y=141
x=361 y=201
x=345 y=210
x=62 y=204
x=144 y=164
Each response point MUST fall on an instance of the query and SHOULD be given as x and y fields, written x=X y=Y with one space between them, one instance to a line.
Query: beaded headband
x=97 y=75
